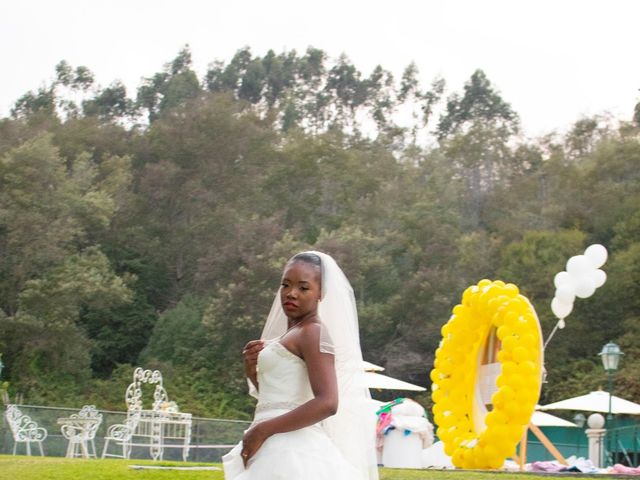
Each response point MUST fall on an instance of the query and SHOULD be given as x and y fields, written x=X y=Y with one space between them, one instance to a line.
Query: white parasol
x=596 y=402
x=542 y=419
x=379 y=381
x=371 y=367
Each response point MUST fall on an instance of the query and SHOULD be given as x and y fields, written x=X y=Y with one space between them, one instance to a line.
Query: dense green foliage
x=152 y=231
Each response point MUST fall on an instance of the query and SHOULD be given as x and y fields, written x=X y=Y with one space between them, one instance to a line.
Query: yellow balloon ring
x=487 y=375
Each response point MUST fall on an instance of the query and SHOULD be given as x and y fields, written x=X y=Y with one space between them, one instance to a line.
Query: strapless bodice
x=282 y=378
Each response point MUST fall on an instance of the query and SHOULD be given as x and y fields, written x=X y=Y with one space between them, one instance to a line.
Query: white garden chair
x=120 y=434
x=24 y=430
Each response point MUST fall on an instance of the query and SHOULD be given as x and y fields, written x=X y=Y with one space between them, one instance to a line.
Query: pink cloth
x=546 y=466
x=384 y=420
x=618 y=468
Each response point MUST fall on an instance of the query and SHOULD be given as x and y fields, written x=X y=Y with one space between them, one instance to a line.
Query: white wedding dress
x=307 y=453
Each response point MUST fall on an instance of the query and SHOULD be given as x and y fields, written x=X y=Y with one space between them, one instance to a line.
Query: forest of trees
x=151 y=229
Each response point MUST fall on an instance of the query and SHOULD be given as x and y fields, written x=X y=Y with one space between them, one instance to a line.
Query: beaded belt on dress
x=265 y=407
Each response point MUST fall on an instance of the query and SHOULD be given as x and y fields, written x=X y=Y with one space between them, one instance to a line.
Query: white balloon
x=585 y=287
x=562 y=278
x=566 y=293
x=578 y=265
x=560 y=309
x=598 y=277
x=596 y=254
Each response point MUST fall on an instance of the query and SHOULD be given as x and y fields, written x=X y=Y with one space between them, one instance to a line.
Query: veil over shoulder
x=352 y=429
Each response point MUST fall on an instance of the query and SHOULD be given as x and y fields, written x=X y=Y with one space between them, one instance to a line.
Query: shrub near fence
x=210 y=437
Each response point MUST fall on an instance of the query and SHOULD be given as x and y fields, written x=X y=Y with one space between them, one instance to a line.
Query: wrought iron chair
x=24 y=430
x=120 y=434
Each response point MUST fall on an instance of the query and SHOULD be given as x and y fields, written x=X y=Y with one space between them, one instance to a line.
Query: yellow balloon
x=523 y=417
x=504 y=356
x=446 y=366
x=511 y=290
x=527 y=368
x=528 y=395
x=468 y=463
x=515 y=432
x=497 y=301
x=510 y=343
x=495 y=417
x=515 y=381
x=496 y=462
x=529 y=340
x=445 y=383
x=509 y=368
x=504 y=331
x=511 y=318
x=447 y=421
x=456 y=459
x=458 y=309
x=512 y=409
x=521 y=354
x=449 y=449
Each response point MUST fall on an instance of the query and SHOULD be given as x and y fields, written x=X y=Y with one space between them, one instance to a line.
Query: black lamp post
x=610 y=355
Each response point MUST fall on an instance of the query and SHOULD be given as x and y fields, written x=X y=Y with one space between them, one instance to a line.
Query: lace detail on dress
x=286 y=353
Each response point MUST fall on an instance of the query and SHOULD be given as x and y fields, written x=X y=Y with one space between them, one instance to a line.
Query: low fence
x=210 y=437
x=536 y=451
x=622 y=445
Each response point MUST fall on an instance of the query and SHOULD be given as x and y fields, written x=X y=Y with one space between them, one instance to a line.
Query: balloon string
x=551 y=334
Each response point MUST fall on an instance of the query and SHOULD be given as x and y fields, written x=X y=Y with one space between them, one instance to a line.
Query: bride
x=313 y=420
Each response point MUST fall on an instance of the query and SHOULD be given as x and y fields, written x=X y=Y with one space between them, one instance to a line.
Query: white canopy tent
x=596 y=402
x=542 y=419
x=384 y=382
x=376 y=380
x=371 y=367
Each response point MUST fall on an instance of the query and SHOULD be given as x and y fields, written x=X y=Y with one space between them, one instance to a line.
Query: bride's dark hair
x=307 y=257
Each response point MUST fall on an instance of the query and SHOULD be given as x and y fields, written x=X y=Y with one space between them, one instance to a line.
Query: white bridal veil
x=352 y=429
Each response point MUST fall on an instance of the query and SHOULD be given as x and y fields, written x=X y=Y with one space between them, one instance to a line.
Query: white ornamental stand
x=595 y=434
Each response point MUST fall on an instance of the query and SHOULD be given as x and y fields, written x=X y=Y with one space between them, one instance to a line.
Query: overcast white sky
x=554 y=61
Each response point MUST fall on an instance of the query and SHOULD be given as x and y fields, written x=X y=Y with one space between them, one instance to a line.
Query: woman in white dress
x=313 y=419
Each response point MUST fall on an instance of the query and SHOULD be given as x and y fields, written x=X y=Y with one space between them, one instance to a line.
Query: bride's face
x=300 y=290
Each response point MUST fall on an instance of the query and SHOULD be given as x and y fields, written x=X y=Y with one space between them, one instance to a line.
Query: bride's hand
x=250 y=355
x=252 y=441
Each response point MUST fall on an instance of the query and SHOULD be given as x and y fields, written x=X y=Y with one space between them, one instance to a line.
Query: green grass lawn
x=54 y=468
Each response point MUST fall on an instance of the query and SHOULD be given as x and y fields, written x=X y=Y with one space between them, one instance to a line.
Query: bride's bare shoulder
x=309 y=337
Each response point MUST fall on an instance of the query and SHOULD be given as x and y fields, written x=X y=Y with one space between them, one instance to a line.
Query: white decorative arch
x=133 y=395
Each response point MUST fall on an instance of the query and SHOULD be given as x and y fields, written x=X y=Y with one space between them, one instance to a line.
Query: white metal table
x=77 y=431
x=159 y=429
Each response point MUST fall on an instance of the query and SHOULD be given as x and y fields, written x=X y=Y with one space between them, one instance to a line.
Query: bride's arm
x=322 y=377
